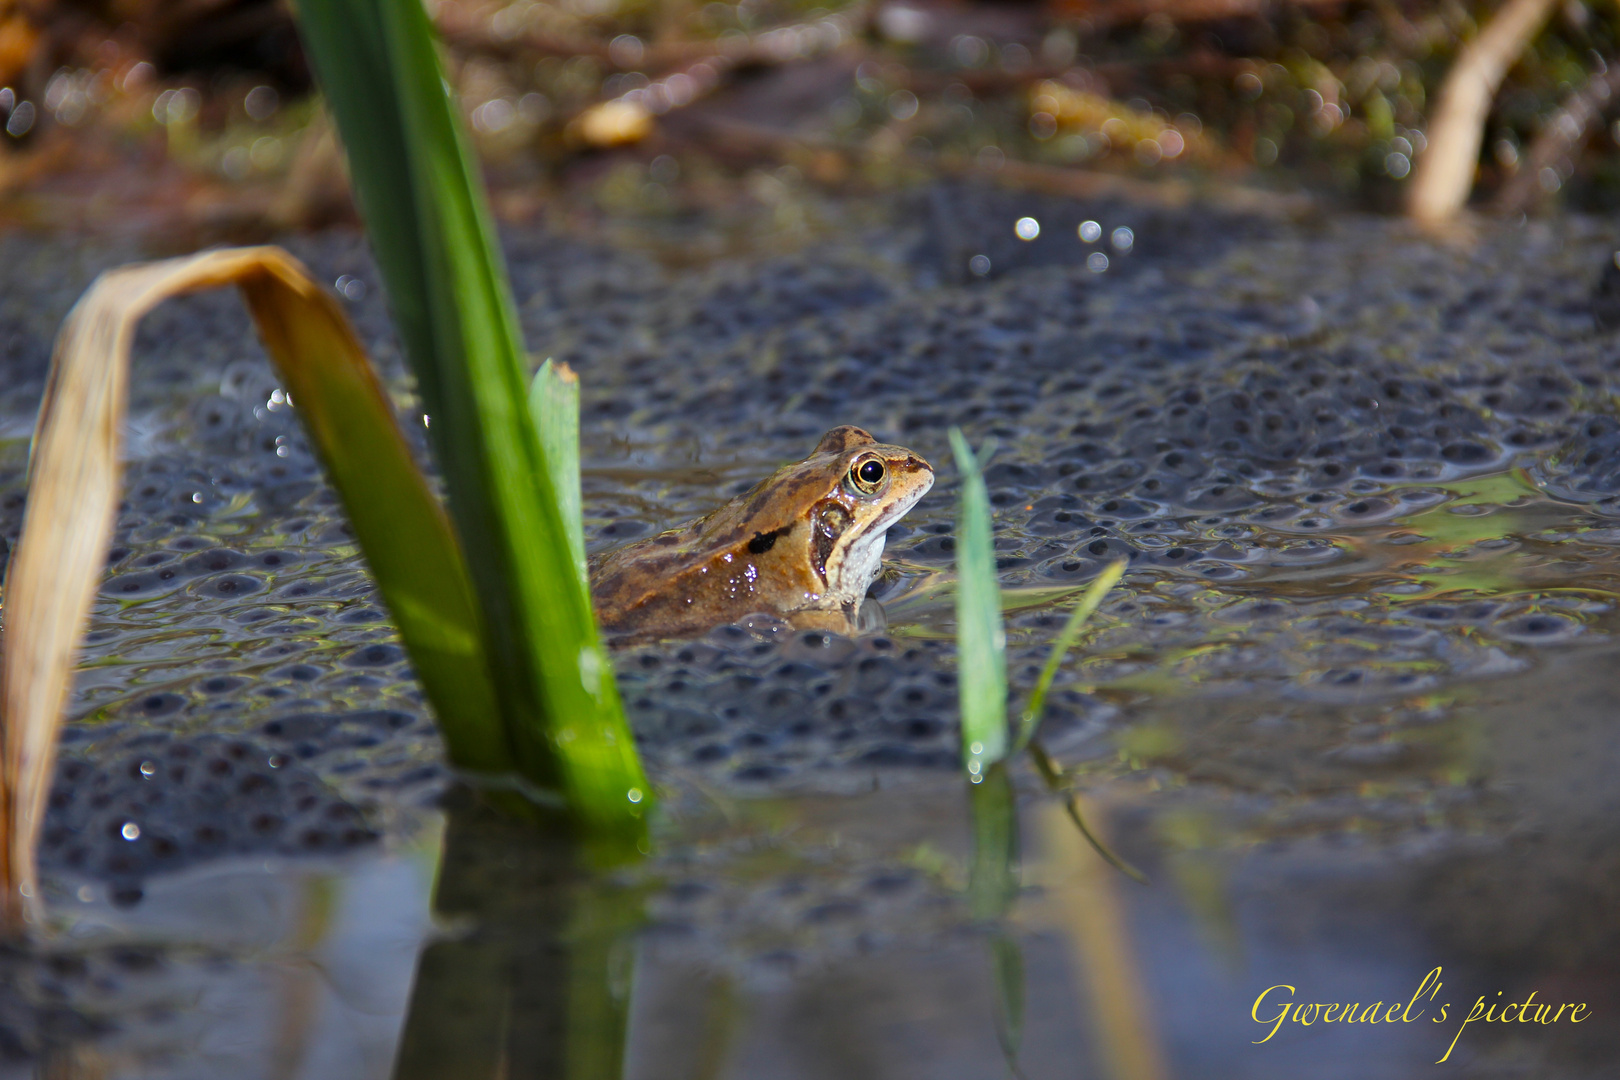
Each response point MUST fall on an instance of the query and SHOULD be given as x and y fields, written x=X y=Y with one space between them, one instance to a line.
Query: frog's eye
x=867 y=475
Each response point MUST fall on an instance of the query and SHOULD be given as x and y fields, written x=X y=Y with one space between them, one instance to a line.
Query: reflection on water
x=1011 y=956
x=534 y=975
x=1384 y=748
x=1085 y=901
x=993 y=885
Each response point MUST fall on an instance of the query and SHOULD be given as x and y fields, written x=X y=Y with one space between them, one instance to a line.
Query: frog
x=803 y=545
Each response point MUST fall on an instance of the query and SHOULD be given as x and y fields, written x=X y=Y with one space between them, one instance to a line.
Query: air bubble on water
x=130 y=831
x=980 y=265
x=1096 y=262
x=1090 y=231
x=1027 y=228
x=1123 y=239
x=148 y=768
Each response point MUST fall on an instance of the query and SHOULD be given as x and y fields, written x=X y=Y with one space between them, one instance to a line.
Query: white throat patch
x=859 y=567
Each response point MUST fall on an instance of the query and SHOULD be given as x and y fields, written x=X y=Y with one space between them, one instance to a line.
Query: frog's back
x=712 y=571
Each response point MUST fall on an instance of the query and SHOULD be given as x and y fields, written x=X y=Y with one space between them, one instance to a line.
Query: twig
x=1445 y=171
x=1107 y=13
x=1560 y=136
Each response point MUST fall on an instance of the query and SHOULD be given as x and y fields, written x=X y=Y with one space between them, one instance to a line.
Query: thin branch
x=1445 y=171
x=1108 y=13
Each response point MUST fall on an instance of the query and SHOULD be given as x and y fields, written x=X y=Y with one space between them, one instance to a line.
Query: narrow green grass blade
x=554 y=408
x=981 y=637
x=428 y=219
x=1030 y=720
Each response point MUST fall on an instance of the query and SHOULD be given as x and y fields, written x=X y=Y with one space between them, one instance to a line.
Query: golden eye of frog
x=807 y=540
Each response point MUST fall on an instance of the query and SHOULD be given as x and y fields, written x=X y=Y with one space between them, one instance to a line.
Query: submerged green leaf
x=981 y=638
x=993 y=884
x=428 y=220
x=993 y=874
x=1052 y=777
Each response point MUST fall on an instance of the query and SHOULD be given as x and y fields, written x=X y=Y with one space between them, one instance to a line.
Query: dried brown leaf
x=73 y=493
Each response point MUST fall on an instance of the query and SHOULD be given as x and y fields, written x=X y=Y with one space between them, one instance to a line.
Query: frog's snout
x=913 y=463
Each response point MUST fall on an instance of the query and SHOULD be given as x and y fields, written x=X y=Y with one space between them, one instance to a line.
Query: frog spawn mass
x=1265 y=423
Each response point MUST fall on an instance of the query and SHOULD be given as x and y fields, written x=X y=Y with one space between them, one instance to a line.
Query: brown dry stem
x=1444 y=175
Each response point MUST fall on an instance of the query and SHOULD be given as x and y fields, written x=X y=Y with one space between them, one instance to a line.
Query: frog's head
x=866 y=487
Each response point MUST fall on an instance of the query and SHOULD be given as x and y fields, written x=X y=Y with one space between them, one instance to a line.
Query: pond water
x=1350 y=711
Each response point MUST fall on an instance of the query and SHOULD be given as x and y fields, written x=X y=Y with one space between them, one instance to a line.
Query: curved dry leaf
x=74 y=475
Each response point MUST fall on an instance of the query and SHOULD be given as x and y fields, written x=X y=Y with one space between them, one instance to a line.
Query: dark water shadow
x=533 y=975
x=993 y=886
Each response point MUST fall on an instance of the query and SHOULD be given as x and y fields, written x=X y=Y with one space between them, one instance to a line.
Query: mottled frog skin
x=803 y=545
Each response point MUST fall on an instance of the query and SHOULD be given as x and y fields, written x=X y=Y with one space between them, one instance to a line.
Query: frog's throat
x=855 y=572
x=858 y=555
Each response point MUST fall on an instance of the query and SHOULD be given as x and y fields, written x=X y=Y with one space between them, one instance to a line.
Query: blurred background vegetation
x=158 y=114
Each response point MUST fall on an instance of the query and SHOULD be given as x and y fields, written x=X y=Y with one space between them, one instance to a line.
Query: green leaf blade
x=981 y=636
x=423 y=202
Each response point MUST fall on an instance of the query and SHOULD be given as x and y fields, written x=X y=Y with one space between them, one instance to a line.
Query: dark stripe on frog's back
x=700 y=592
x=730 y=527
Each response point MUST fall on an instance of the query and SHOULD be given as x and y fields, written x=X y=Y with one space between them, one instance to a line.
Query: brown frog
x=805 y=544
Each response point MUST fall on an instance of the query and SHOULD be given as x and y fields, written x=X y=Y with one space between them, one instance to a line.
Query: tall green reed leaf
x=1029 y=721
x=423 y=202
x=980 y=635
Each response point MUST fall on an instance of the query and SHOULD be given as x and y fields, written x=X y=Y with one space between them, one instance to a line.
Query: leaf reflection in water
x=537 y=974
